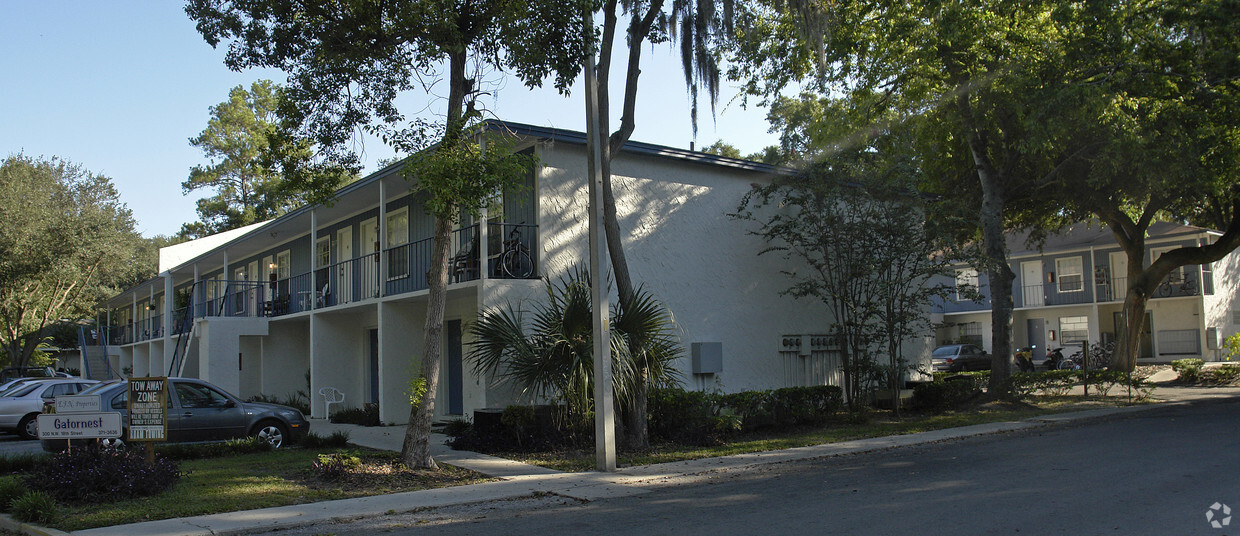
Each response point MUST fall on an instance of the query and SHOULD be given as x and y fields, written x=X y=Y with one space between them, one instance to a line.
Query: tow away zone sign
x=148 y=409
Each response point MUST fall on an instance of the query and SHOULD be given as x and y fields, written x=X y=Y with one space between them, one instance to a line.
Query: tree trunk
x=636 y=434
x=998 y=273
x=416 y=453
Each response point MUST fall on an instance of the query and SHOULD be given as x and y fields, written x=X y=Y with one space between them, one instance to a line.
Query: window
x=1070 y=278
x=283 y=264
x=199 y=396
x=397 y=238
x=1235 y=316
x=1073 y=329
x=323 y=251
x=966 y=284
x=398 y=228
x=971 y=333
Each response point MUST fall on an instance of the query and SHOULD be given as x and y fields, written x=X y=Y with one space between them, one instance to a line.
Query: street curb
x=581 y=486
x=8 y=523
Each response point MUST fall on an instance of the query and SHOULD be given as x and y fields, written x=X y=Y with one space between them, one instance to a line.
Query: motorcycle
x=1056 y=361
x=1024 y=359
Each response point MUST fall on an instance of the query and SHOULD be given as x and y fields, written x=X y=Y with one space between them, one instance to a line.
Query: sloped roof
x=1094 y=234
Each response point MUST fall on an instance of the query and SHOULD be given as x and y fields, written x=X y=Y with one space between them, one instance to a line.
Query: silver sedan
x=20 y=407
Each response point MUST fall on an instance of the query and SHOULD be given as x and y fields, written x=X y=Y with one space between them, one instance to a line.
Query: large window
x=1177 y=274
x=966 y=284
x=323 y=252
x=284 y=264
x=1071 y=278
x=1073 y=329
x=397 y=236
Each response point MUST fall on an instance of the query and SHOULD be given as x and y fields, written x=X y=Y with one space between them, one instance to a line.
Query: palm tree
x=554 y=359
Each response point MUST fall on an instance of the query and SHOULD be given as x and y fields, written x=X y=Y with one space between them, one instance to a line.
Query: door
x=1119 y=275
x=374 y=366
x=456 y=385
x=1147 y=340
x=1037 y=338
x=344 y=266
x=1032 y=292
x=369 y=265
x=251 y=276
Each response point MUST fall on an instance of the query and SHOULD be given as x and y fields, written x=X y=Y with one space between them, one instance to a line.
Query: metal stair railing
x=182 y=346
x=103 y=355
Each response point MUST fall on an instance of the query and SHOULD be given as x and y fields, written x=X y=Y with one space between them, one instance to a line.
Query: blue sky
x=121 y=86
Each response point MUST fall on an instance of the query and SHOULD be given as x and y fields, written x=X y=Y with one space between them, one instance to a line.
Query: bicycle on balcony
x=515 y=261
x=1174 y=285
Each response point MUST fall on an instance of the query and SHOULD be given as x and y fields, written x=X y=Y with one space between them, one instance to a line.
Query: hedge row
x=699 y=418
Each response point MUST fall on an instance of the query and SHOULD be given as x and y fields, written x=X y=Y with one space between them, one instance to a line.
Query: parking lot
x=10 y=444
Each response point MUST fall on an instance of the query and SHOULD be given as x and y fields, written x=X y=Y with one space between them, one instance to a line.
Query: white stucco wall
x=1225 y=300
x=684 y=248
x=285 y=357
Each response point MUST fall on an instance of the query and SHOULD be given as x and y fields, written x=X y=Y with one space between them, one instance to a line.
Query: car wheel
x=28 y=428
x=272 y=432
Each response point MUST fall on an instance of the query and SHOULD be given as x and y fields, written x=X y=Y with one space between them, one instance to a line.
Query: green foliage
x=871 y=257
x=99 y=475
x=11 y=487
x=336 y=465
x=367 y=415
x=1103 y=381
x=416 y=390
x=68 y=241
x=34 y=507
x=1223 y=375
x=1231 y=347
x=700 y=418
x=1188 y=369
x=215 y=449
x=299 y=401
x=687 y=417
x=554 y=359
x=20 y=462
x=940 y=397
x=337 y=439
x=238 y=142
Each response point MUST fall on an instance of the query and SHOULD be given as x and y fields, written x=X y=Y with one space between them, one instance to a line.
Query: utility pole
x=604 y=412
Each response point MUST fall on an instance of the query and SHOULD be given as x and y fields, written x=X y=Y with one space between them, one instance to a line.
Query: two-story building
x=1072 y=289
x=335 y=295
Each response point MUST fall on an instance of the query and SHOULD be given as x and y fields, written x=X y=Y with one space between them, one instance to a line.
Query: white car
x=20 y=408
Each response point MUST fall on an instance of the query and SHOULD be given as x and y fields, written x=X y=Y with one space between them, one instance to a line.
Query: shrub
x=939 y=397
x=1050 y=382
x=297 y=400
x=1188 y=369
x=518 y=429
x=34 y=507
x=684 y=416
x=20 y=463
x=1103 y=381
x=457 y=427
x=752 y=407
x=11 y=487
x=1225 y=374
x=215 y=449
x=336 y=465
x=337 y=439
x=792 y=406
x=367 y=415
x=97 y=475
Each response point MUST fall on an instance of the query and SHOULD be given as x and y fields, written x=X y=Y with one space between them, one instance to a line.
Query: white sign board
x=78 y=404
x=148 y=409
x=79 y=425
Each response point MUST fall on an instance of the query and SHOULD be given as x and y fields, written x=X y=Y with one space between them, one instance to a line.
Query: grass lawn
x=262 y=480
x=879 y=424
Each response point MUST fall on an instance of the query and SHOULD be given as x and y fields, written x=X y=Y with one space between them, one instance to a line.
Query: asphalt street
x=1152 y=472
x=11 y=444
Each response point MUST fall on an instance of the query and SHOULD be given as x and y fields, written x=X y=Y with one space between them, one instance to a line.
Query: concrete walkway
x=520 y=480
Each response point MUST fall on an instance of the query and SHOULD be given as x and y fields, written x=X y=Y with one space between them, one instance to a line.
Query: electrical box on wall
x=706 y=357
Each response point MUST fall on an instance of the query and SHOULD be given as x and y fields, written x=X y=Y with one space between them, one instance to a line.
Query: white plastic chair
x=331 y=395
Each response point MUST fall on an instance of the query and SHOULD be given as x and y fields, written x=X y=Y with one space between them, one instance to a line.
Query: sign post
x=79 y=417
x=148 y=412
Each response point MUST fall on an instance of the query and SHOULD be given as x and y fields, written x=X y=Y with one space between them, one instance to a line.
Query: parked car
x=20 y=407
x=26 y=372
x=959 y=358
x=201 y=411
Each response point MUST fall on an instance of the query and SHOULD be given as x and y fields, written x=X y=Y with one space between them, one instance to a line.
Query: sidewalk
x=521 y=480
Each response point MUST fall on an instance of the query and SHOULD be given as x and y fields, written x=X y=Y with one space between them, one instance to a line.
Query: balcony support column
x=383 y=239
x=314 y=258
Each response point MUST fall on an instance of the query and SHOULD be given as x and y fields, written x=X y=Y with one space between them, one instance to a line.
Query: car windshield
x=944 y=351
